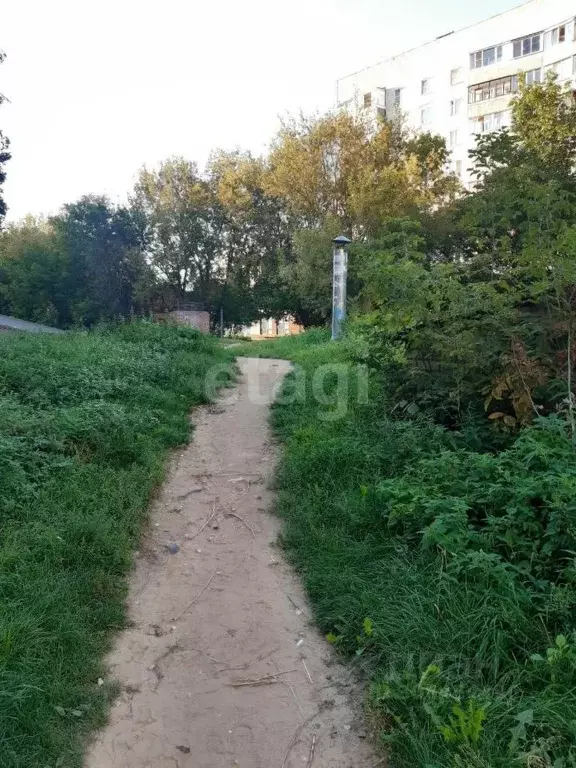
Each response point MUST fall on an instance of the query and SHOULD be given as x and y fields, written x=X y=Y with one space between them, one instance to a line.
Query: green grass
x=283 y=347
x=86 y=423
x=441 y=572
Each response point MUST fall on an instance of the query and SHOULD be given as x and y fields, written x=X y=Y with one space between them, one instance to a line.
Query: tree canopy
x=4 y=155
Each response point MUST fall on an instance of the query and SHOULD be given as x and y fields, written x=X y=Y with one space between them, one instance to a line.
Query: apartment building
x=460 y=84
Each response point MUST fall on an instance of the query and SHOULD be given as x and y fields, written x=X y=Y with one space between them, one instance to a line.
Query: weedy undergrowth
x=86 y=422
x=444 y=569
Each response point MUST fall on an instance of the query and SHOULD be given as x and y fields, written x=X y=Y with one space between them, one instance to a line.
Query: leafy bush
x=445 y=571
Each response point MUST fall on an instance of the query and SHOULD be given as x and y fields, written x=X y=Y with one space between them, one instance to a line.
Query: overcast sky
x=97 y=89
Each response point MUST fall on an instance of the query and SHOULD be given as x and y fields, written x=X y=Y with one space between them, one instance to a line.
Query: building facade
x=460 y=84
x=270 y=328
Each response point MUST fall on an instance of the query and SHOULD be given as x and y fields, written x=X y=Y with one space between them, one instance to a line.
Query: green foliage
x=4 y=155
x=288 y=347
x=104 y=247
x=441 y=569
x=83 y=267
x=86 y=421
x=465 y=725
x=544 y=120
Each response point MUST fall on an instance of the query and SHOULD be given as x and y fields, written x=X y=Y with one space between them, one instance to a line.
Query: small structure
x=8 y=323
x=193 y=314
x=270 y=328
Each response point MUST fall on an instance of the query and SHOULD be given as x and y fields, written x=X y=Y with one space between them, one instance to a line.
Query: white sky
x=100 y=87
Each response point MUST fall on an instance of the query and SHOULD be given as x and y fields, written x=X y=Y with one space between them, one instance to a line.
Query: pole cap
x=341 y=240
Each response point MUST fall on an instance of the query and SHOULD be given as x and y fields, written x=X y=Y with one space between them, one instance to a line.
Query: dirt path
x=222 y=612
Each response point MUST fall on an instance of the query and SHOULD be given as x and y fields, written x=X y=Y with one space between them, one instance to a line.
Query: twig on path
x=203 y=653
x=250 y=663
x=299 y=610
x=212 y=516
x=205 y=587
x=292 y=691
x=266 y=680
x=308 y=673
x=294 y=739
x=223 y=474
x=233 y=514
x=312 y=748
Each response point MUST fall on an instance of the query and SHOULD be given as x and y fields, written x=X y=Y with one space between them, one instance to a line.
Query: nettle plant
x=508 y=517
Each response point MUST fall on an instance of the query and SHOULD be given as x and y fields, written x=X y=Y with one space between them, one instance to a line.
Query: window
x=367 y=100
x=455 y=107
x=524 y=46
x=397 y=97
x=485 y=57
x=453 y=138
x=490 y=122
x=425 y=115
x=533 y=76
x=493 y=89
x=558 y=35
x=425 y=87
x=456 y=76
x=562 y=69
x=458 y=167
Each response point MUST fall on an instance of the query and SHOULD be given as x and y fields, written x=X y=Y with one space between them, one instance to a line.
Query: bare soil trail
x=221 y=666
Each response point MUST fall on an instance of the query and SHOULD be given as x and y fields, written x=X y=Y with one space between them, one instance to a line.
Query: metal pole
x=339 y=274
x=221 y=321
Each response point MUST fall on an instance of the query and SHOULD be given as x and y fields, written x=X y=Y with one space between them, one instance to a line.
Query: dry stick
x=294 y=695
x=294 y=603
x=212 y=516
x=203 y=653
x=249 y=664
x=266 y=680
x=308 y=673
x=233 y=514
x=197 y=596
x=224 y=474
x=294 y=739
x=312 y=748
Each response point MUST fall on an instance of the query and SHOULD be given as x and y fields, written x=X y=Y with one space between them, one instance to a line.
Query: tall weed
x=446 y=572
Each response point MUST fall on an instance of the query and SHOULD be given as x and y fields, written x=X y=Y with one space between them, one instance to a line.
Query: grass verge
x=86 y=423
x=445 y=573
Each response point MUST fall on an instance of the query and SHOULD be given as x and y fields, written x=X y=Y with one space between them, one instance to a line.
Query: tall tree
x=344 y=167
x=34 y=273
x=255 y=238
x=184 y=225
x=105 y=254
x=4 y=156
x=343 y=173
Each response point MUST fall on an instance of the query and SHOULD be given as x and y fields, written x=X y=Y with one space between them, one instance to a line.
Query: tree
x=345 y=168
x=4 y=156
x=33 y=273
x=309 y=275
x=104 y=247
x=184 y=223
x=255 y=239
x=499 y=315
x=343 y=173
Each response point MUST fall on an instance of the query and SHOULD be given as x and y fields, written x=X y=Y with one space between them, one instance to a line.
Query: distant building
x=270 y=328
x=461 y=83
